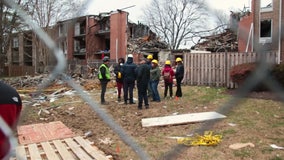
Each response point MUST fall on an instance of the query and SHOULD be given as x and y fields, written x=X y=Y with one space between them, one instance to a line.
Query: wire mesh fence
x=260 y=75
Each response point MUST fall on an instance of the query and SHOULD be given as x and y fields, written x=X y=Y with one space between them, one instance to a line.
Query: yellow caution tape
x=208 y=139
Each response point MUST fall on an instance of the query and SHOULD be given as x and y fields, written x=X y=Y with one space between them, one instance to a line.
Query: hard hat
x=154 y=61
x=150 y=56
x=178 y=59
x=105 y=59
x=130 y=55
x=168 y=62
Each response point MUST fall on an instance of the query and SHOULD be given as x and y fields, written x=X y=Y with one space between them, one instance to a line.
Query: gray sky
x=135 y=8
x=98 y=6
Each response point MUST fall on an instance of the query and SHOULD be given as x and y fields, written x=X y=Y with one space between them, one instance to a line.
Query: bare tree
x=46 y=13
x=221 y=20
x=176 y=20
x=9 y=23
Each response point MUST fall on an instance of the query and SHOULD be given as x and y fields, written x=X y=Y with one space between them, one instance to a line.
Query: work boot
x=104 y=103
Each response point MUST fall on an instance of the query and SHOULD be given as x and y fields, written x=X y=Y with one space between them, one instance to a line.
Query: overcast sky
x=136 y=6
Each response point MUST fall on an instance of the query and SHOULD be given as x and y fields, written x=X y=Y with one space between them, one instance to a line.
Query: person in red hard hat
x=10 y=108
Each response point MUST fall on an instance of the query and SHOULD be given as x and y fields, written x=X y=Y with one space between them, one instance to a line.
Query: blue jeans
x=155 y=92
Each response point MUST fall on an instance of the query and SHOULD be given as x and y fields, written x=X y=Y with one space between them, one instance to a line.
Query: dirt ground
x=82 y=119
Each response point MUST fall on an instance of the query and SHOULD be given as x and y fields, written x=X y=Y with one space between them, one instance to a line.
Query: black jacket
x=179 y=71
x=143 y=74
x=128 y=70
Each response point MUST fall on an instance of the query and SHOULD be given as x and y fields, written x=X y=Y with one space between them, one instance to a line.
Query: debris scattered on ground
x=240 y=145
x=106 y=141
x=276 y=147
x=88 y=134
x=208 y=139
x=232 y=124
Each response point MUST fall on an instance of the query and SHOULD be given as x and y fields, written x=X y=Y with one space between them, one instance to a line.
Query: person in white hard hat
x=129 y=73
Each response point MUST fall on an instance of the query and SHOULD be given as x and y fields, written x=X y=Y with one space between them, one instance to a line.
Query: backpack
x=167 y=76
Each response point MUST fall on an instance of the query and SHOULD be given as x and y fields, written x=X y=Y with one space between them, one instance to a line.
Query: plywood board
x=181 y=119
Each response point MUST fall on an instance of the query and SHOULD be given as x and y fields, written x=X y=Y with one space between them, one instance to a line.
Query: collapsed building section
x=222 y=42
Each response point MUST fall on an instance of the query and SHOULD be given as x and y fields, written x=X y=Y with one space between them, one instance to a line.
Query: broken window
x=28 y=49
x=80 y=28
x=76 y=46
x=77 y=29
x=265 y=5
x=265 y=31
x=62 y=30
x=15 y=42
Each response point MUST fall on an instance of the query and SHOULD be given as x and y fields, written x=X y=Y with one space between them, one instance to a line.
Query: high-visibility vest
x=107 y=72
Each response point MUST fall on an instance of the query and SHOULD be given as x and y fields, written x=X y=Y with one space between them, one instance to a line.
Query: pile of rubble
x=135 y=45
x=32 y=83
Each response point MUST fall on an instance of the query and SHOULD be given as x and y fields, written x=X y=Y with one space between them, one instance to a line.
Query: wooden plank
x=90 y=149
x=79 y=152
x=181 y=119
x=34 y=152
x=49 y=151
x=61 y=148
x=21 y=153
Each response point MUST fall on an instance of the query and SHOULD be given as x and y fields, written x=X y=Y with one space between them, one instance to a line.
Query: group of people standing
x=147 y=76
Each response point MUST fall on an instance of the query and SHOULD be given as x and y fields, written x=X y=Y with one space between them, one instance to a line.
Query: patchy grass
x=255 y=120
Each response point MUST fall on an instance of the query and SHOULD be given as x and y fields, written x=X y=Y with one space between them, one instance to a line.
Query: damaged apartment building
x=83 y=39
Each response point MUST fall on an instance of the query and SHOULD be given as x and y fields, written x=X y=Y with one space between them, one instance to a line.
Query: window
x=15 y=42
x=265 y=5
x=76 y=46
x=62 y=30
x=77 y=29
x=265 y=31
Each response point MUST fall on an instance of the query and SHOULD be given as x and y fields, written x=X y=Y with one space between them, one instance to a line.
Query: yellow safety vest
x=107 y=72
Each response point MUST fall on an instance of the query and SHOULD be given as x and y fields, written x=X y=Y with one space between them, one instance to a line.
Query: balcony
x=80 y=52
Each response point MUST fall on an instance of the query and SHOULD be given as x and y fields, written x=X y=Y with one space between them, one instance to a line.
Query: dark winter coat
x=128 y=70
x=179 y=71
x=143 y=75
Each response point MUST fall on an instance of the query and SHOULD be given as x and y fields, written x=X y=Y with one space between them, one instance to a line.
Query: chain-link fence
x=260 y=75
